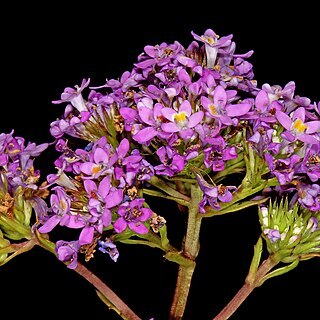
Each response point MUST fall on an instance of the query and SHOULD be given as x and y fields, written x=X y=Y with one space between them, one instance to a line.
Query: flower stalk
x=254 y=279
x=190 y=250
x=108 y=296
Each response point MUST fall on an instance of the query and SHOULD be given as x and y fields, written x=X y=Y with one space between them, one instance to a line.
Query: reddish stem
x=245 y=291
x=107 y=292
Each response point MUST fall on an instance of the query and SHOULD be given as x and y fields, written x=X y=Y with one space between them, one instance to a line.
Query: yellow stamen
x=180 y=117
x=210 y=40
x=213 y=109
x=63 y=205
x=299 y=126
x=96 y=169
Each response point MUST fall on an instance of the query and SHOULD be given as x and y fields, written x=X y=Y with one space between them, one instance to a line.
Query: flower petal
x=106 y=217
x=186 y=107
x=262 y=101
x=86 y=235
x=100 y=156
x=89 y=186
x=146 y=214
x=138 y=227
x=313 y=126
x=168 y=113
x=308 y=139
x=120 y=225
x=170 y=127
x=219 y=96
x=236 y=110
x=299 y=113
x=114 y=198
x=49 y=224
x=195 y=119
x=123 y=148
x=145 y=134
x=284 y=119
x=146 y=115
x=104 y=186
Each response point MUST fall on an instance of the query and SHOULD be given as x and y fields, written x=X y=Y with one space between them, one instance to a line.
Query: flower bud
x=291 y=233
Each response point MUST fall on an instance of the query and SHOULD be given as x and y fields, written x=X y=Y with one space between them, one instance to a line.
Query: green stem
x=190 y=250
x=236 y=167
x=160 y=184
x=247 y=288
x=158 y=194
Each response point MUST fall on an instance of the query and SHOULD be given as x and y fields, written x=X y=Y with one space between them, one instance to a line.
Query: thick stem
x=181 y=293
x=122 y=308
x=190 y=251
x=245 y=291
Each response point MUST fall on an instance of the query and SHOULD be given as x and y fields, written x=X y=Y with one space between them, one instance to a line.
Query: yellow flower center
x=213 y=109
x=210 y=40
x=299 y=126
x=180 y=117
x=96 y=169
x=63 y=204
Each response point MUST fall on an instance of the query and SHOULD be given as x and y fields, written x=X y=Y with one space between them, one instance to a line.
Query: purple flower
x=101 y=199
x=311 y=163
x=110 y=248
x=100 y=164
x=297 y=128
x=153 y=118
x=74 y=96
x=220 y=109
x=266 y=109
x=216 y=155
x=160 y=55
x=181 y=121
x=212 y=43
x=132 y=215
x=283 y=169
x=309 y=195
x=60 y=206
x=213 y=194
x=67 y=252
x=62 y=213
x=273 y=235
x=171 y=162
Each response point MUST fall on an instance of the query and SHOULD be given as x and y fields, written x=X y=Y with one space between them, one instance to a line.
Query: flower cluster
x=179 y=113
x=19 y=191
x=177 y=126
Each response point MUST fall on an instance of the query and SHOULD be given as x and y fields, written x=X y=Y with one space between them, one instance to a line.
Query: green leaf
x=255 y=262
x=232 y=208
x=159 y=194
x=142 y=242
x=160 y=184
x=279 y=272
x=302 y=248
x=178 y=258
x=110 y=305
x=164 y=237
x=123 y=235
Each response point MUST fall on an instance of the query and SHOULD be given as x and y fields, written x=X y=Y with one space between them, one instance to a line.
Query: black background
x=46 y=48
